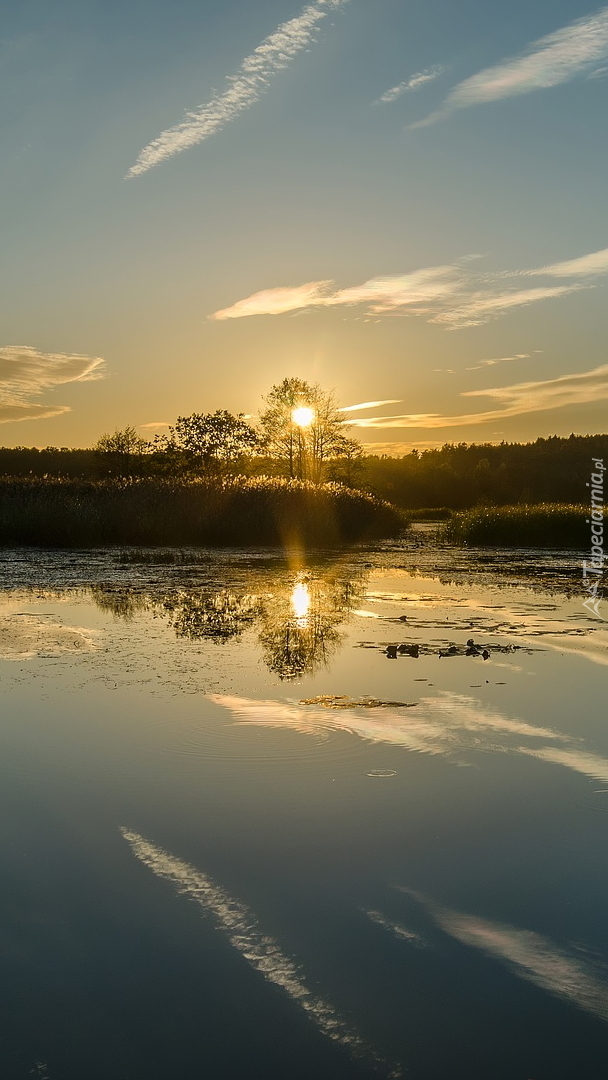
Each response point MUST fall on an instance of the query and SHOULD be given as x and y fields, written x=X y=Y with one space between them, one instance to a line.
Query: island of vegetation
x=294 y=477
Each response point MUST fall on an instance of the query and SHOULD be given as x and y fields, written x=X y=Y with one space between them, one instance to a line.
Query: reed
x=546 y=525
x=60 y=512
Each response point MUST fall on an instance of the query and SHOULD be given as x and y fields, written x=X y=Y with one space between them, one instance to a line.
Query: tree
x=122 y=453
x=304 y=444
x=348 y=464
x=213 y=441
x=126 y=441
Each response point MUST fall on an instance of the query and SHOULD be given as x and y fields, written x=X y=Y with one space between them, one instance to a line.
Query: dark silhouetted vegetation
x=547 y=525
x=460 y=476
x=454 y=477
x=52 y=512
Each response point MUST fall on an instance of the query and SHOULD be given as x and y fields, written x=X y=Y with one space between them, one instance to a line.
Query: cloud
x=155 y=424
x=413 y=83
x=244 y=89
x=516 y=400
x=483 y=306
x=245 y=935
x=25 y=373
x=370 y=405
x=586 y=266
x=397 y=449
x=278 y=301
x=499 y=360
x=565 y=972
x=453 y=296
x=418 y=290
x=554 y=59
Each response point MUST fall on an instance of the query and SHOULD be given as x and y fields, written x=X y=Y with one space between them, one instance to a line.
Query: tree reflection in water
x=300 y=629
x=297 y=621
x=220 y=616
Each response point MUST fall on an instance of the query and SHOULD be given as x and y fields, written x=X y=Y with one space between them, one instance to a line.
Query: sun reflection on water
x=301 y=600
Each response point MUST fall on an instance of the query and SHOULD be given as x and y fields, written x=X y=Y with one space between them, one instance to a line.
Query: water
x=272 y=818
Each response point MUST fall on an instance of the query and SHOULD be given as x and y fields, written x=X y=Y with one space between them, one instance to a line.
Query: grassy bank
x=547 y=525
x=53 y=512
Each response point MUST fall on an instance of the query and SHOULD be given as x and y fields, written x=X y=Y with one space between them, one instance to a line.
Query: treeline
x=457 y=476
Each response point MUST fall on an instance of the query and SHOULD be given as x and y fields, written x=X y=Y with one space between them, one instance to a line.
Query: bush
x=235 y=511
x=547 y=525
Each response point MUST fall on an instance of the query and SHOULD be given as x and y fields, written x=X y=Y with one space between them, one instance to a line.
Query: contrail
x=244 y=89
x=261 y=951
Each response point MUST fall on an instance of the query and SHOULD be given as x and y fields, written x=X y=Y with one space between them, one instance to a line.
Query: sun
x=303 y=416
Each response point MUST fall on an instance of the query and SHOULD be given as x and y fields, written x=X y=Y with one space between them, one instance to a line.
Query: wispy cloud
x=397 y=449
x=563 y=971
x=244 y=89
x=155 y=424
x=413 y=293
x=246 y=936
x=586 y=266
x=413 y=83
x=517 y=400
x=278 y=301
x=480 y=307
x=554 y=59
x=499 y=360
x=454 y=295
x=369 y=405
x=25 y=373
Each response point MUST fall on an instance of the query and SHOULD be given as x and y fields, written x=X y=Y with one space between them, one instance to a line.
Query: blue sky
x=401 y=199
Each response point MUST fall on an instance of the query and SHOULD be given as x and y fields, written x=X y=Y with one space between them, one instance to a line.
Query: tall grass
x=51 y=512
x=547 y=525
x=438 y=513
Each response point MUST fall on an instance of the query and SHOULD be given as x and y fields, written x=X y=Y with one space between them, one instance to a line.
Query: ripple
x=215 y=739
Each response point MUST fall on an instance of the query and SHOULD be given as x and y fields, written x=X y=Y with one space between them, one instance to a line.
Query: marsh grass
x=547 y=525
x=439 y=513
x=51 y=512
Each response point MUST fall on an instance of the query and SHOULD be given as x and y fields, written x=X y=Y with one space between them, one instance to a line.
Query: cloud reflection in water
x=564 y=971
x=260 y=951
x=438 y=725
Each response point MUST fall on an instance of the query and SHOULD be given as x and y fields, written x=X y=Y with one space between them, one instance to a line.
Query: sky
x=403 y=200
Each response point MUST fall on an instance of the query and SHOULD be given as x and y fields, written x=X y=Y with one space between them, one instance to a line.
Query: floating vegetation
x=471 y=648
x=168 y=557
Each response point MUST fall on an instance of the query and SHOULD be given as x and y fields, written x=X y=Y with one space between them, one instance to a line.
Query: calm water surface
x=241 y=840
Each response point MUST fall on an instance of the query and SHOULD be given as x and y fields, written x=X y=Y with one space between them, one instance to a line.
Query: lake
x=266 y=817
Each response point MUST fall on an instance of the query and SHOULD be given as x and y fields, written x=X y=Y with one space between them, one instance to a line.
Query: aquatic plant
x=232 y=511
x=547 y=525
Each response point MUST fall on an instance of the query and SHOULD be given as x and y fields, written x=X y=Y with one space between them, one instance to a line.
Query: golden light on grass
x=303 y=416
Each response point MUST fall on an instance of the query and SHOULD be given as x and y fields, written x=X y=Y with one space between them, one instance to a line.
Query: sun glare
x=300 y=602
x=303 y=416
